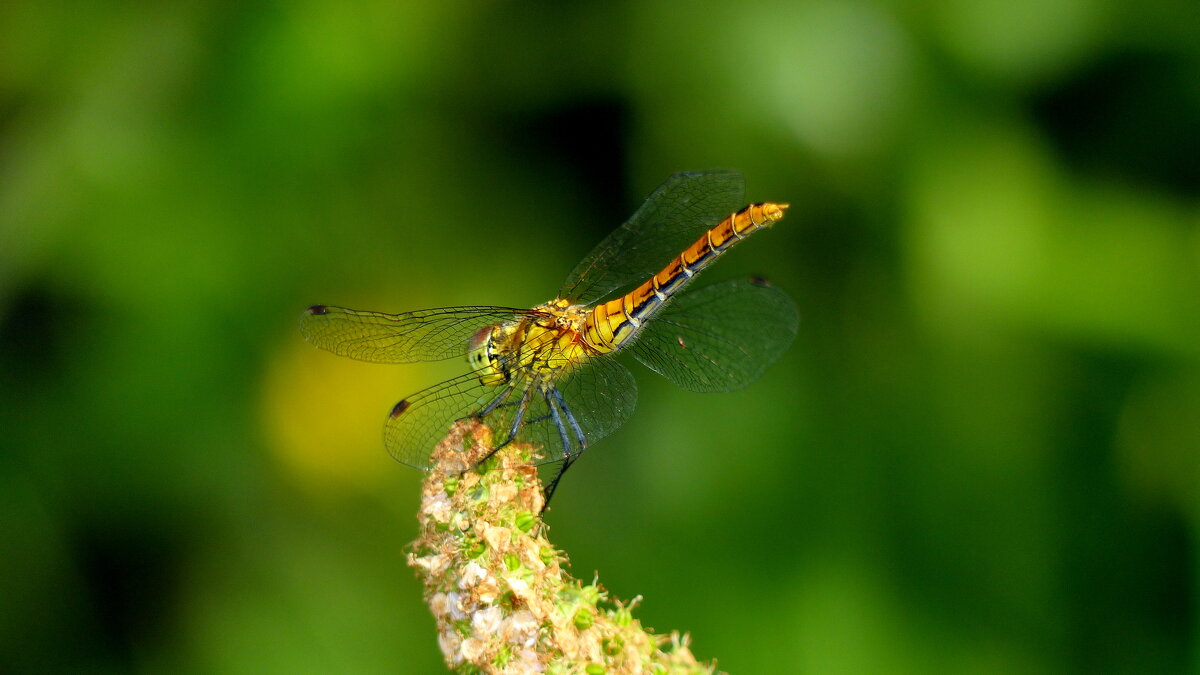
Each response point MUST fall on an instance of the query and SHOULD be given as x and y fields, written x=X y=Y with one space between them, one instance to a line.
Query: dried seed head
x=498 y=589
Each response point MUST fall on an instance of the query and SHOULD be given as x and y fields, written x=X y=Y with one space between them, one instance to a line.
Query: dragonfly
x=550 y=375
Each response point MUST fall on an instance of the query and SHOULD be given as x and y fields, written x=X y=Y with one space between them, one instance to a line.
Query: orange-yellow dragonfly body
x=549 y=375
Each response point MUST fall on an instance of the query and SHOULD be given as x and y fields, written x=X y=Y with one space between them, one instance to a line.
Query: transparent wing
x=719 y=338
x=678 y=212
x=419 y=422
x=599 y=396
x=424 y=335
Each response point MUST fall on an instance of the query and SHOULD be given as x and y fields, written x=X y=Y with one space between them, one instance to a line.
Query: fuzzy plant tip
x=500 y=592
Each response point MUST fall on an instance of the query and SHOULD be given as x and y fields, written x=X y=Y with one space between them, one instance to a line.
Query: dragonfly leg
x=497 y=402
x=571 y=418
x=558 y=423
x=566 y=445
x=522 y=406
x=568 y=457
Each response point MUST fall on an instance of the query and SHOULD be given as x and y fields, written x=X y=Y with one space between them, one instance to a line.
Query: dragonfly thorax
x=543 y=343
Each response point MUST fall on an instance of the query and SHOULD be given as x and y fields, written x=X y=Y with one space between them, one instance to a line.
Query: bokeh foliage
x=981 y=455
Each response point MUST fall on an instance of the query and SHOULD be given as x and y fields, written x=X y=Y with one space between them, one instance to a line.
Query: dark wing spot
x=759 y=281
x=318 y=309
x=399 y=409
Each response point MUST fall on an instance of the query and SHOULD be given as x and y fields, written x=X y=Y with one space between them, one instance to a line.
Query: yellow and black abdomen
x=613 y=324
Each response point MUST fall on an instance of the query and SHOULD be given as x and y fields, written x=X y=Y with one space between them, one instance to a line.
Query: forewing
x=424 y=335
x=675 y=215
x=719 y=338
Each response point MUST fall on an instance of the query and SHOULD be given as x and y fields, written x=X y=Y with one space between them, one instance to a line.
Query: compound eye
x=480 y=338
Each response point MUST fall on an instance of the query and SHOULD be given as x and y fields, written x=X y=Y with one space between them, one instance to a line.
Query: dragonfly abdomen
x=613 y=324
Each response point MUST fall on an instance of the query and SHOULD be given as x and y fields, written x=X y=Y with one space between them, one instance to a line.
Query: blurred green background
x=982 y=454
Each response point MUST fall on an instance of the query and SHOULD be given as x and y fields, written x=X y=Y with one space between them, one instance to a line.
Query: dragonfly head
x=484 y=359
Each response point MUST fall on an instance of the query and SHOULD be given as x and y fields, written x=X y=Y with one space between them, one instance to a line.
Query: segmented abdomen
x=612 y=324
